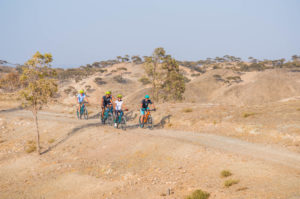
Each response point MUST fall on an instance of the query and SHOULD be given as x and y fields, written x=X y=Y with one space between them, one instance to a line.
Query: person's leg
x=103 y=110
x=142 y=115
x=121 y=115
x=116 y=114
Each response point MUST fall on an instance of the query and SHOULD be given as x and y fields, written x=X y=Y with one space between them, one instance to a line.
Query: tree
x=151 y=68
x=295 y=58
x=119 y=58
x=163 y=72
x=173 y=85
x=125 y=58
x=136 y=59
x=39 y=86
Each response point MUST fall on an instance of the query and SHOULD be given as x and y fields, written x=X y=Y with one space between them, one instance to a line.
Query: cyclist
x=81 y=97
x=119 y=107
x=106 y=102
x=145 y=106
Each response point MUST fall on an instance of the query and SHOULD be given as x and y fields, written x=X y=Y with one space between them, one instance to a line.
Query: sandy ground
x=88 y=160
x=250 y=127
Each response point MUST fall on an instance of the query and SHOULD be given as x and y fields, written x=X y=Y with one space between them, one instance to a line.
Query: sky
x=78 y=32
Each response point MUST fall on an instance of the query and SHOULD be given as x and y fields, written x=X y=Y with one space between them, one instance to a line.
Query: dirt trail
x=222 y=143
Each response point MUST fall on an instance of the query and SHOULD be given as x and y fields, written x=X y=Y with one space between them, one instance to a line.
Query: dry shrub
x=10 y=82
x=120 y=79
x=245 y=115
x=230 y=182
x=225 y=173
x=51 y=140
x=144 y=80
x=99 y=81
x=187 y=110
x=122 y=68
x=70 y=90
x=199 y=194
x=30 y=147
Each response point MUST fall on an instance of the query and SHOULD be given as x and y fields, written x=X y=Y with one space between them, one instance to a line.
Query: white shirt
x=118 y=105
x=80 y=97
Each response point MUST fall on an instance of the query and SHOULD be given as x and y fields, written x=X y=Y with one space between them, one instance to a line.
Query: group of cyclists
x=115 y=105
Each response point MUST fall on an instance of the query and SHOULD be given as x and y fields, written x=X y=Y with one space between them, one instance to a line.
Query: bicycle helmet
x=119 y=96
x=147 y=96
x=81 y=91
x=107 y=92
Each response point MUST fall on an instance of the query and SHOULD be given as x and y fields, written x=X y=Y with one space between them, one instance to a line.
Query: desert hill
x=219 y=86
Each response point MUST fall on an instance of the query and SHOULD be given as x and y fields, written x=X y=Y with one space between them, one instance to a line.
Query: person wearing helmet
x=81 y=97
x=106 y=102
x=119 y=107
x=145 y=105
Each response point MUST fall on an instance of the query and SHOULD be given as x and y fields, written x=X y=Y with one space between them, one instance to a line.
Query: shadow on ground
x=161 y=124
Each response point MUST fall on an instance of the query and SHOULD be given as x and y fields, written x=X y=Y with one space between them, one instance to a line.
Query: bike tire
x=150 y=122
x=141 y=124
x=123 y=123
x=86 y=114
x=110 y=119
x=78 y=115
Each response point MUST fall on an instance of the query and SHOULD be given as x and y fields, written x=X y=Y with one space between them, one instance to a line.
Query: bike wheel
x=78 y=115
x=141 y=124
x=85 y=114
x=110 y=119
x=150 y=122
x=123 y=123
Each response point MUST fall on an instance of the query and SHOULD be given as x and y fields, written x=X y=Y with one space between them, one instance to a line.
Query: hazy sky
x=78 y=32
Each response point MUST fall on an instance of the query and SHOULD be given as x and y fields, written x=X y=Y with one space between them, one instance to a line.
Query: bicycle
x=107 y=117
x=148 y=120
x=83 y=111
x=121 y=122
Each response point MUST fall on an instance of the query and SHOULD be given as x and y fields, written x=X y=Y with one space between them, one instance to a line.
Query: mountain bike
x=148 y=120
x=83 y=112
x=121 y=120
x=108 y=117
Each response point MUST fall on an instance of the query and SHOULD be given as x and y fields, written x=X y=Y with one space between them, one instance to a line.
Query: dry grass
x=245 y=115
x=198 y=194
x=242 y=189
x=298 y=109
x=225 y=173
x=51 y=140
x=187 y=110
x=169 y=124
x=230 y=182
x=31 y=147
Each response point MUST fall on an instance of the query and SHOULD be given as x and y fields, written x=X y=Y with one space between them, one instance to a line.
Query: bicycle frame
x=146 y=116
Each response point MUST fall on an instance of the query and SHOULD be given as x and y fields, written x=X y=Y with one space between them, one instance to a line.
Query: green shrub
x=198 y=194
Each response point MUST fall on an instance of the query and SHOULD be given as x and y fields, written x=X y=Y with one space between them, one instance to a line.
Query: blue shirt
x=80 y=97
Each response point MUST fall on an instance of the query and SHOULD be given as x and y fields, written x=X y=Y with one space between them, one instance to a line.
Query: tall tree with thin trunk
x=151 y=67
x=38 y=86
